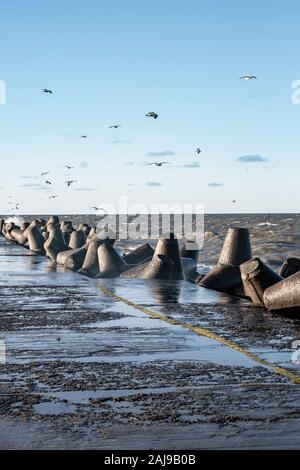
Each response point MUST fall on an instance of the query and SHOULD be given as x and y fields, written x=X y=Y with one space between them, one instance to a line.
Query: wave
x=267 y=224
x=17 y=220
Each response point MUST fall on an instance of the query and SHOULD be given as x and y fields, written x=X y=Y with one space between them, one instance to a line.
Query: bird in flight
x=45 y=173
x=159 y=163
x=17 y=206
x=53 y=197
x=69 y=167
x=152 y=114
x=198 y=150
x=83 y=136
x=246 y=78
x=48 y=182
x=234 y=201
x=69 y=182
x=114 y=126
x=46 y=90
x=98 y=208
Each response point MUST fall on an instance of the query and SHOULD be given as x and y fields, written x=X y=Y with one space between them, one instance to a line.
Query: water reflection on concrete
x=19 y=266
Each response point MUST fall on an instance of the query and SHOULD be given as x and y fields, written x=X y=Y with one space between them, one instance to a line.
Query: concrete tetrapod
x=107 y=235
x=72 y=259
x=111 y=264
x=92 y=234
x=90 y=265
x=77 y=239
x=223 y=278
x=24 y=225
x=160 y=267
x=18 y=235
x=284 y=295
x=135 y=272
x=168 y=248
x=42 y=222
x=66 y=225
x=7 y=228
x=67 y=228
x=53 y=219
x=257 y=277
x=54 y=246
x=33 y=223
x=226 y=276
x=236 y=248
x=141 y=254
x=55 y=230
x=167 y=245
x=289 y=267
x=35 y=240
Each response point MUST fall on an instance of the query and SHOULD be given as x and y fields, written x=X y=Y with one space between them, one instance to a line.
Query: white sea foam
x=296 y=357
x=267 y=224
x=16 y=219
x=203 y=268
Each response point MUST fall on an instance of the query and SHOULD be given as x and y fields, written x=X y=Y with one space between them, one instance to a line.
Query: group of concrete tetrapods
x=92 y=253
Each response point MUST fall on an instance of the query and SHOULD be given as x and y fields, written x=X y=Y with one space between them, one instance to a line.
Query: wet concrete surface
x=86 y=371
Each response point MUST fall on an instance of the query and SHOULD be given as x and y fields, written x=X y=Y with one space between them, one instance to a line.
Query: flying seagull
x=234 y=201
x=152 y=114
x=46 y=90
x=45 y=173
x=158 y=163
x=115 y=126
x=98 y=208
x=246 y=78
x=69 y=167
x=83 y=136
x=198 y=150
x=53 y=197
x=69 y=182
x=48 y=182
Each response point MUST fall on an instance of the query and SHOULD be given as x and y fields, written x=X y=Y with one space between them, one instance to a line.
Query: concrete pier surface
x=84 y=365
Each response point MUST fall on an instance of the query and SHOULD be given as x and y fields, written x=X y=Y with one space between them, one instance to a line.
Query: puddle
x=154 y=292
x=283 y=358
x=137 y=321
x=46 y=408
x=159 y=342
x=84 y=397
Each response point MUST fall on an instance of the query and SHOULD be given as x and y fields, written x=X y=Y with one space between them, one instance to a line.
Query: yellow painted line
x=293 y=378
x=240 y=385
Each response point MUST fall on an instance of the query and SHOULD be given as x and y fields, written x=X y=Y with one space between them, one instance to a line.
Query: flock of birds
x=151 y=114
x=69 y=182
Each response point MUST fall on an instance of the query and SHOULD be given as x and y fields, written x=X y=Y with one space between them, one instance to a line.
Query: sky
x=113 y=62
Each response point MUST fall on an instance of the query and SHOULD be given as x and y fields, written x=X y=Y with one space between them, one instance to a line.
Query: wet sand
x=86 y=371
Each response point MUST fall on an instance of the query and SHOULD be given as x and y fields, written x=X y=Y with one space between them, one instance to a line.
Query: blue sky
x=112 y=62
